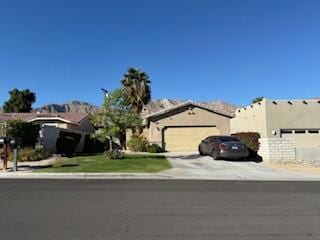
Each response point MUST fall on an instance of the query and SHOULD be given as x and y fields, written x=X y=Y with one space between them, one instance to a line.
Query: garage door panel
x=187 y=138
x=304 y=139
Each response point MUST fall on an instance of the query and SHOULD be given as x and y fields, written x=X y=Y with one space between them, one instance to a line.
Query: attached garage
x=181 y=128
x=187 y=138
x=303 y=138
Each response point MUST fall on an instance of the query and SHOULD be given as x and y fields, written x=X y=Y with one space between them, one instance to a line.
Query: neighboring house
x=51 y=125
x=183 y=126
x=289 y=129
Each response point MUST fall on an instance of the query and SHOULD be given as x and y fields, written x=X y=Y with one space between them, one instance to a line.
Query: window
x=313 y=131
x=286 y=131
x=228 y=139
x=300 y=131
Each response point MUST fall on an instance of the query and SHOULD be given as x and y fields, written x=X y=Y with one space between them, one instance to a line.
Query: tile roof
x=74 y=118
x=166 y=110
x=160 y=105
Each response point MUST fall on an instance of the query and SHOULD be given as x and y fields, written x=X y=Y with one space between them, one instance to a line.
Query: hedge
x=67 y=142
x=251 y=139
x=27 y=132
x=138 y=143
x=30 y=154
x=154 y=148
x=93 y=145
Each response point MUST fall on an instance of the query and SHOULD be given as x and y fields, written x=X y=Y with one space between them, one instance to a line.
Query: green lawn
x=100 y=164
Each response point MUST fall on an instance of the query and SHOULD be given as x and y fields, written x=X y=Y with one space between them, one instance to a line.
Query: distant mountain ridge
x=73 y=106
x=161 y=104
x=152 y=107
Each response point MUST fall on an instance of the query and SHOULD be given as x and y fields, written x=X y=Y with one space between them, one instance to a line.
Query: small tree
x=115 y=117
x=27 y=132
x=257 y=99
x=20 y=101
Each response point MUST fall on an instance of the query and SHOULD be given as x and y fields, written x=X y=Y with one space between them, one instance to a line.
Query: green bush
x=154 y=148
x=67 y=142
x=30 y=154
x=27 y=132
x=93 y=145
x=138 y=143
x=251 y=139
x=114 y=154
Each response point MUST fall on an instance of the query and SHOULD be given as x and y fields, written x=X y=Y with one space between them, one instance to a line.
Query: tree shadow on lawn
x=143 y=156
x=36 y=167
x=47 y=166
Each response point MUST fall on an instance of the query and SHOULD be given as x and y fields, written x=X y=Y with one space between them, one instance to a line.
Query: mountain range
x=151 y=107
x=73 y=106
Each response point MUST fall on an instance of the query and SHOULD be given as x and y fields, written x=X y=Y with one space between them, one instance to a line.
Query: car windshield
x=228 y=139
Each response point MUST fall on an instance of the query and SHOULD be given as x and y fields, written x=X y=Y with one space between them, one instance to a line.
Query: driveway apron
x=191 y=165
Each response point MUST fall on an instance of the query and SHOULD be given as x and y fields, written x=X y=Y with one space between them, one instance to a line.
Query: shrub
x=93 y=145
x=30 y=154
x=154 y=148
x=67 y=142
x=251 y=139
x=138 y=143
x=114 y=154
x=27 y=132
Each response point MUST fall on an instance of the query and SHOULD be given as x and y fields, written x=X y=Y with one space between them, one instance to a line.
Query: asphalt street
x=158 y=209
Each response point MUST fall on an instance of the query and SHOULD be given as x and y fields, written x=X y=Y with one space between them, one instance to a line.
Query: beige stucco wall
x=271 y=117
x=297 y=115
x=187 y=116
x=250 y=119
x=145 y=133
x=85 y=126
x=194 y=116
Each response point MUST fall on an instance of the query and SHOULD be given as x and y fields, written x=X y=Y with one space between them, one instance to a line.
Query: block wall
x=277 y=149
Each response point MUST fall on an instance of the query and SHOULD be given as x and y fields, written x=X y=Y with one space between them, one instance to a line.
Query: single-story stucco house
x=51 y=125
x=182 y=127
x=289 y=129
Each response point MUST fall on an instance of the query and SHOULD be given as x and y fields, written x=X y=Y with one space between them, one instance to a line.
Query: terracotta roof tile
x=71 y=117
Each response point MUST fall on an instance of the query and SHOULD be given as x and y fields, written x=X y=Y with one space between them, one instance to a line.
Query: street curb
x=132 y=176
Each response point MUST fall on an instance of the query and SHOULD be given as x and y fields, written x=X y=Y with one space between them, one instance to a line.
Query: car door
x=211 y=144
x=207 y=145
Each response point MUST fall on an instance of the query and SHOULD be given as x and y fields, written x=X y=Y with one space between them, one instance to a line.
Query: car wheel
x=200 y=152
x=215 y=154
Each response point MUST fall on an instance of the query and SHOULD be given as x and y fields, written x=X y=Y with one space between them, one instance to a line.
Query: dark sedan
x=223 y=147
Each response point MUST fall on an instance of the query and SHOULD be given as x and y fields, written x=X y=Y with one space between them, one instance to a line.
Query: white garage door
x=186 y=138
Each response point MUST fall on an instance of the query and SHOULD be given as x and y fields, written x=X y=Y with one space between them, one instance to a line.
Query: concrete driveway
x=193 y=166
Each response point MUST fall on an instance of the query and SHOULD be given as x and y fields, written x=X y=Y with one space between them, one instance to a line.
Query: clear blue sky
x=231 y=50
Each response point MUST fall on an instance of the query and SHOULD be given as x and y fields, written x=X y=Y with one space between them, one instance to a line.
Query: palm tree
x=136 y=88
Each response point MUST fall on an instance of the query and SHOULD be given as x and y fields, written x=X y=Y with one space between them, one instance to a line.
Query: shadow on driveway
x=187 y=157
x=195 y=156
